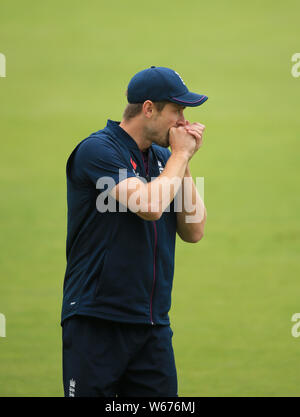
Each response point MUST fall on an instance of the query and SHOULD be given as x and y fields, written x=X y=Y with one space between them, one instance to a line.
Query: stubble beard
x=157 y=137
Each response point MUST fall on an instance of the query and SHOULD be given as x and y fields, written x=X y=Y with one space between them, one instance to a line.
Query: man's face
x=157 y=130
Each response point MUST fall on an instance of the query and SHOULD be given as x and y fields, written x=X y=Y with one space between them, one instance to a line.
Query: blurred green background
x=235 y=291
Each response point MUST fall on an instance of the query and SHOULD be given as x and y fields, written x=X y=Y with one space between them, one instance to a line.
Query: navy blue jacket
x=119 y=266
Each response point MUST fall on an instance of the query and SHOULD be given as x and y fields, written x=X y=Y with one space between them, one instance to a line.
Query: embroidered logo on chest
x=134 y=165
x=160 y=166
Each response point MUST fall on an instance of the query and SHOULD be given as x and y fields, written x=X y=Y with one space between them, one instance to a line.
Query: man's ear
x=148 y=108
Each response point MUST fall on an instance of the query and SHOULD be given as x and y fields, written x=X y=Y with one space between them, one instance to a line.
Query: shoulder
x=96 y=151
x=98 y=145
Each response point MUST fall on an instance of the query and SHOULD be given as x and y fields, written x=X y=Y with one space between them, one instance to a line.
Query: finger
x=199 y=131
x=200 y=125
x=195 y=134
x=197 y=126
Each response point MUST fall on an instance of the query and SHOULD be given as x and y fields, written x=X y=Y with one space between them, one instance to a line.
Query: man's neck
x=136 y=132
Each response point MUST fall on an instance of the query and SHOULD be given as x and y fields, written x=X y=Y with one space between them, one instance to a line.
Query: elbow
x=150 y=217
x=154 y=212
x=155 y=216
x=195 y=238
x=150 y=213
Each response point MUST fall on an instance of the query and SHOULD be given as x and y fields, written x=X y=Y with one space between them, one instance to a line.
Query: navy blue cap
x=161 y=84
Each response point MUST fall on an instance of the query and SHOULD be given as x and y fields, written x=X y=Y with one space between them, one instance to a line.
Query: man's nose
x=181 y=121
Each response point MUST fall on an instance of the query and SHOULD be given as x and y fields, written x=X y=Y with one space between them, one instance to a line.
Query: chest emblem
x=134 y=165
x=160 y=166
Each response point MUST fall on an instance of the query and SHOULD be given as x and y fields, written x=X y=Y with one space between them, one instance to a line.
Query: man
x=117 y=339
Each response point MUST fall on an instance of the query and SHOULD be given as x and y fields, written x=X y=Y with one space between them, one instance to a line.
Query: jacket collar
x=122 y=135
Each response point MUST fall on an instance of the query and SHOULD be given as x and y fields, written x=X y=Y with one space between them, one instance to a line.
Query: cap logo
x=180 y=77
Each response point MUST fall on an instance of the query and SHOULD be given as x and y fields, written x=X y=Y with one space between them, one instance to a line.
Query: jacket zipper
x=154 y=267
x=155 y=242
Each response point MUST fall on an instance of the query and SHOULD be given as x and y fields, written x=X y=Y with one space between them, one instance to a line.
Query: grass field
x=68 y=65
